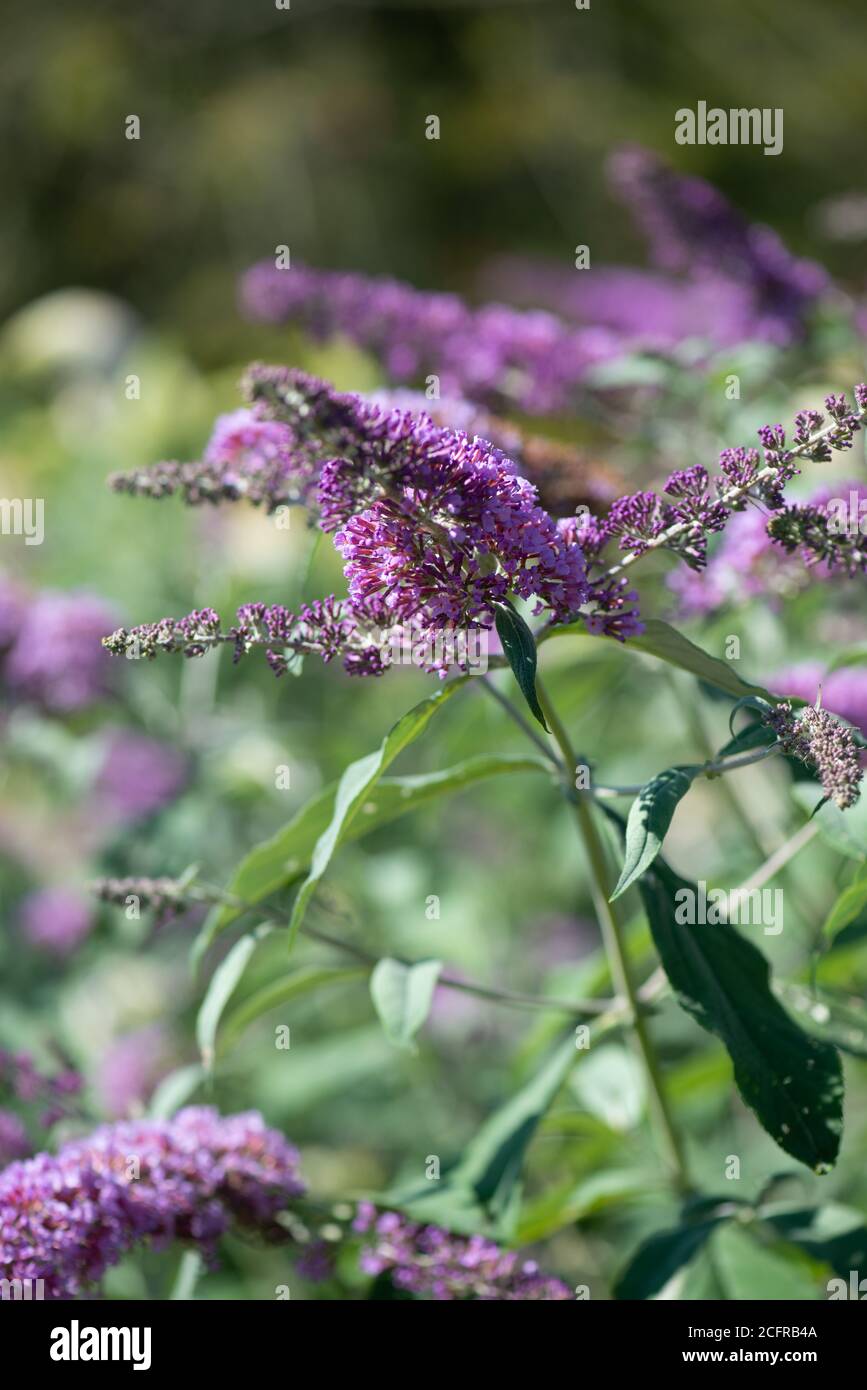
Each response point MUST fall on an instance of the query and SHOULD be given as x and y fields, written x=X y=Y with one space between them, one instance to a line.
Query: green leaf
x=190 y=1268
x=850 y=656
x=354 y=787
x=175 y=1090
x=756 y=735
x=222 y=986
x=793 y=1082
x=833 y=1233
x=848 y=906
x=280 y=861
x=665 y=642
x=649 y=818
x=748 y=1271
x=402 y=996
x=845 y=831
x=482 y=1192
x=660 y=1257
x=280 y=991
x=610 y=1084
x=570 y=1203
x=519 y=644
x=826 y=1017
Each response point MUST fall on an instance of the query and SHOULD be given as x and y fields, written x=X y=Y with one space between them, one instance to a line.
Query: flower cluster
x=815 y=737
x=268 y=452
x=651 y=311
x=68 y=1218
x=55 y=919
x=138 y=776
x=324 y=628
x=131 y=1068
x=22 y=1082
x=431 y=1262
x=491 y=354
x=436 y=527
x=692 y=228
x=167 y=898
x=49 y=647
x=769 y=556
x=843 y=692
x=702 y=506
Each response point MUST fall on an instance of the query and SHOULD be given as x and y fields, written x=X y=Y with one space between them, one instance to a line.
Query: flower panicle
x=67 y=1219
x=429 y=1261
x=700 y=506
x=823 y=742
x=493 y=354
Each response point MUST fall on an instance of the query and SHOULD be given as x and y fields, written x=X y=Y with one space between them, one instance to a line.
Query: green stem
x=614 y=947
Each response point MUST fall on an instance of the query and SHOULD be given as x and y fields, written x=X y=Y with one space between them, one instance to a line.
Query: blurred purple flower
x=56 y=919
x=649 y=310
x=489 y=353
x=692 y=228
x=844 y=692
x=139 y=776
x=14 y=1141
x=56 y=659
x=429 y=1261
x=69 y=1218
x=131 y=1069
x=748 y=564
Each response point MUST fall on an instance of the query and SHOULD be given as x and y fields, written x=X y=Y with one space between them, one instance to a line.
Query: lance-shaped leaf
x=354 y=787
x=793 y=1082
x=847 y=908
x=280 y=991
x=519 y=644
x=223 y=984
x=665 y=642
x=402 y=995
x=280 y=861
x=649 y=818
x=845 y=831
x=482 y=1191
x=660 y=1257
x=834 y=1234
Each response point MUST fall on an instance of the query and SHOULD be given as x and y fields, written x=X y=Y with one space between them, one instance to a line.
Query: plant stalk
x=614 y=947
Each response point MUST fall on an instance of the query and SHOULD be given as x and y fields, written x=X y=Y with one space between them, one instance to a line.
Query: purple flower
x=649 y=311
x=131 y=1069
x=432 y=1263
x=843 y=692
x=492 y=353
x=56 y=659
x=817 y=738
x=456 y=531
x=14 y=1140
x=138 y=776
x=435 y=528
x=56 y=919
x=692 y=228
x=68 y=1218
x=750 y=563
x=248 y=456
